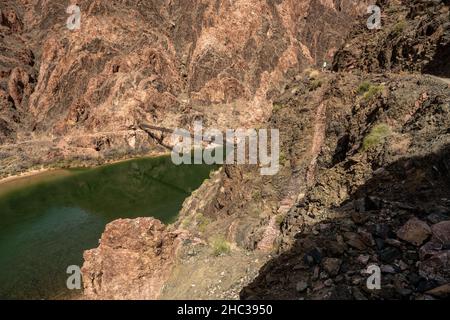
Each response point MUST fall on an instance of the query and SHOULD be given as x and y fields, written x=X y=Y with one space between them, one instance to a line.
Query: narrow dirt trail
x=270 y=234
x=444 y=80
x=294 y=191
x=51 y=140
x=317 y=142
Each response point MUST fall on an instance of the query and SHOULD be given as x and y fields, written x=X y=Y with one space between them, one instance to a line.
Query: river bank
x=50 y=218
x=49 y=168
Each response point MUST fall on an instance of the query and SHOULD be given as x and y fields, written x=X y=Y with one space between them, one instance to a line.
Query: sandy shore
x=44 y=170
x=26 y=174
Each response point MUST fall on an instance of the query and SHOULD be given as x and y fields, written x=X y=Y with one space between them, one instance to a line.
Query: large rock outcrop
x=378 y=195
x=133 y=260
x=414 y=36
x=363 y=181
x=69 y=92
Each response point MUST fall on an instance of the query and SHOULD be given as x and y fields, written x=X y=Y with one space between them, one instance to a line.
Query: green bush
x=363 y=87
x=376 y=136
x=369 y=90
x=279 y=219
x=277 y=107
x=373 y=91
x=256 y=195
x=399 y=27
x=315 y=84
x=283 y=157
x=202 y=222
x=220 y=246
x=186 y=223
x=312 y=74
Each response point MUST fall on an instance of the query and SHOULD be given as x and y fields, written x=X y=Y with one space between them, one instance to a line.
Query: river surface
x=48 y=220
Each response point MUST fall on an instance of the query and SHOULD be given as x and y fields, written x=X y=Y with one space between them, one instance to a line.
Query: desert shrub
x=399 y=27
x=220 y=246
x=376 y=136
x=279 y=219
x=277 y=107
x=373 y=91
x=363 y=87
x=186 y=223
x=256 y=195
x=283 y=159
x=202 y=222
x=312 y=73
x=315 y=84
x=369 y=90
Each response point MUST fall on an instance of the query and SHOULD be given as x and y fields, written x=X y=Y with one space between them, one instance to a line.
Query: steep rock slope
x=415 y=36
x=83 y=93
x=364 y=180
x=383 y=161
x=379 y=195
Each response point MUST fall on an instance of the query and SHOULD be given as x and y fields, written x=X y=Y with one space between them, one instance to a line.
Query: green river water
x=48 y=220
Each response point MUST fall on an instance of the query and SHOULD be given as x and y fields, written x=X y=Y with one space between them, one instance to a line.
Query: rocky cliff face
x=382 y=162
x=377 y=192
x=414 y=37
x=364 y=181
x=66 y=93
x=134 y=259
x=364 y=169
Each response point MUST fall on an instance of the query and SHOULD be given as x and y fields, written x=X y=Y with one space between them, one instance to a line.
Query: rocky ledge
x=133 y=260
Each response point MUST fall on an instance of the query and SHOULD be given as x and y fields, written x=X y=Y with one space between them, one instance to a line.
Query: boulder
x=441 y=291
x=436 y=268
x=354 y=240
x=414 y=231
x=133 y=260
x=331 y=265
x=441 y=231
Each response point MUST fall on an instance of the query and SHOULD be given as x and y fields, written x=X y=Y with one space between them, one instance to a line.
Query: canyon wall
x=82 y=94
x=363 y=148
x=363 y=180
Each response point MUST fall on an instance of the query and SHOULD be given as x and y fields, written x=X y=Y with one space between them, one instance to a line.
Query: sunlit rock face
x=134 y=258
x=165 y=62
x=414 y=37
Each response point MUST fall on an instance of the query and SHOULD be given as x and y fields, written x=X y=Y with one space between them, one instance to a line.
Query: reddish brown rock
x=437 y=267
x=384 y=49
x=354 y=240
x=414 y=231
x=19 y=86
x=9 y=19
x=441 y=232
x=133 y=260
x=331 y=265
x=439 y=240
x=161 y=62
x=441 y=291
x=429 y=249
